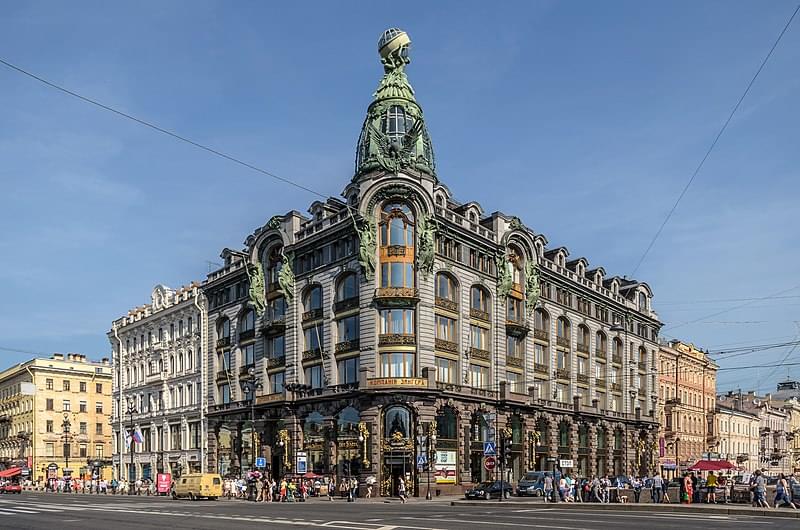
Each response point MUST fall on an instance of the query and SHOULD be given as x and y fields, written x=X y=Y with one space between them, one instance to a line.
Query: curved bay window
x=396 y=228
x=397 y=330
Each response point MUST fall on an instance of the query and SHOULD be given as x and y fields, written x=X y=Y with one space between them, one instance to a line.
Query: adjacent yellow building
x=54 y=416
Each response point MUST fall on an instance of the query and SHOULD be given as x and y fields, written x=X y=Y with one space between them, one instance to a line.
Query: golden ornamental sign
x=269 y=398
x=413 y=382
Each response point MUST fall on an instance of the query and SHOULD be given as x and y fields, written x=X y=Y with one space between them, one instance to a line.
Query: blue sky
x=590 y=116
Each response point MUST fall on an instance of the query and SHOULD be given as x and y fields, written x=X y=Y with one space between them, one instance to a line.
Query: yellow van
x=198 y=485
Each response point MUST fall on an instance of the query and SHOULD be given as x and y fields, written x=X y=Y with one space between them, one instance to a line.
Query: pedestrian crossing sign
x=422 y=460
x=489 y=448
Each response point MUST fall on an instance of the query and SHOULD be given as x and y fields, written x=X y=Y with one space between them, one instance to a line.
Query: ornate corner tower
x=394 y=137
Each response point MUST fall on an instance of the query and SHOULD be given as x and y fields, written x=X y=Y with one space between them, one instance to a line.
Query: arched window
x=224 y=329
x=247 y=322
x=617 y=351
x=395 y=122
x=563 y=331
x=312 y=300
x=189 y=360
x=273 y=264
x=447 y=425
x=397 y=246
x=396 y=422
x=480 y=303
x=446 y=288
x=601 y=345
x=347 y=288
x=642 y=302
x=583 y=339
x=180 y=362
x=171 y=364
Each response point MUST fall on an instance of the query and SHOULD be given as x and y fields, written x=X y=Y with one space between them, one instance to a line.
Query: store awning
x=711 y=465
x=10 y=472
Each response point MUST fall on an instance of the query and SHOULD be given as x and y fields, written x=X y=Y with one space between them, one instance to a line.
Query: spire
x=394 y=136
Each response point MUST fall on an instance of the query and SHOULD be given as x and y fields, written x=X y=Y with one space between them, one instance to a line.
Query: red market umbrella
x=311 y=474
x=711 y=465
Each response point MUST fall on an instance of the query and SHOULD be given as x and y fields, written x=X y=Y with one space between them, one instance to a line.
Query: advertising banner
x=163 y=482
x=445 y=467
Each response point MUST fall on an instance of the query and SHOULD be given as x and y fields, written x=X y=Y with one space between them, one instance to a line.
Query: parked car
x=490 y=489
x=532 y=483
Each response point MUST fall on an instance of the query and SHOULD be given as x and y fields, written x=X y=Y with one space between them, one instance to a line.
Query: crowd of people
x=566 y=488
x=100 y=486
x=291 y=489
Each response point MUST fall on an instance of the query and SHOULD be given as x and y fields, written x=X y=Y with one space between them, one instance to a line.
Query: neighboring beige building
x=788 y=393
x=738 y=437
x=38 y=398
x=687 y=384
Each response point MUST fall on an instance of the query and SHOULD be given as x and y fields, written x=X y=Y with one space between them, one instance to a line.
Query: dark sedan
x=490 y=490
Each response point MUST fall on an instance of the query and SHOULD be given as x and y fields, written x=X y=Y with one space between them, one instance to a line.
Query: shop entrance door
x=397 y=467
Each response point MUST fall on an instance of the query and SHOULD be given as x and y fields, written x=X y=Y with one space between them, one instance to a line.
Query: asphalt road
x=36 y=511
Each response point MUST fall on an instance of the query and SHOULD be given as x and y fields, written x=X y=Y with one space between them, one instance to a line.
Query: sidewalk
x=713 y=509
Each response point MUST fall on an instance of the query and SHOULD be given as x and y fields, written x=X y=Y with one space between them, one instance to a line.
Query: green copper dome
x=394 y=136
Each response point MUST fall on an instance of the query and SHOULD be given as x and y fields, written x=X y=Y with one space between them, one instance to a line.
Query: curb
x=663 y=508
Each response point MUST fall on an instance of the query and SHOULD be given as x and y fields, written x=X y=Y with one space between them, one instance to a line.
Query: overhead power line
x=160 y=129
x=714 y=143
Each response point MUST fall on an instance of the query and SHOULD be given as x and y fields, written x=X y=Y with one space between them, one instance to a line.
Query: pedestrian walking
x=687 y=494
x=657 y=489
x=759 y=489
x=401 y=490
x=548 y=488
x=636 y=484
x=782 y=493
x=331 y=488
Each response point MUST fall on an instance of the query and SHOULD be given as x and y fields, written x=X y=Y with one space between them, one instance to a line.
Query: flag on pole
x=137 y=436
x=128 y=439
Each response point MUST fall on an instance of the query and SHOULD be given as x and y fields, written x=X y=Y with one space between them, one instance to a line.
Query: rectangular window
x=189 y=325
x=276 y=347
x=49 y=427
x=98 y=407
x=447 y=370
x=249 y=355
x=49 y=404
x=314 y=376
x=98 y=388
x=313 y=337
x=66 y=406
x=540 y=355
x=399 y=364
x=82 y=406
x=82 y=386
x=479 y=338
x=225 y=393
x=348 y=371
x=276 y=382
x=397 y=321
x=583 y=366
x=515 y=346
x=175 y=437
x=49 y=449
x=397 y=274
x=446 y=328
x=516 y=310
x=515 y=382
x=562 y=392
x=99 y=451
x=49 y=384
x=194 y=435
x=347 y=329
x=83 y=428
x=98 y=428
x=479 y=376
x=66 y=385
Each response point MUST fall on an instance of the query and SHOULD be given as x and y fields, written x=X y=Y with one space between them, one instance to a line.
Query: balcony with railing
x=345 y=305
x=276 y=362
x=347 y=346
x=583 y=379
x=600 y=354
x=541 y=368
x=563 y=342
x=479 y=354
x=477 y=314
x=446 y=304
x=390 y=295
x=397 y=339
x=515 y=362
x=248 y=334
x=312 y=354
x=275 y=326
x=642 y=366
x=616 y=358
x=616 y=387
x=446 y=345
x=312 y=314
x=541 y=334
x=582 y=348
x=517 y=328
x=601 y=383
x=562 y=373
x=223 y=342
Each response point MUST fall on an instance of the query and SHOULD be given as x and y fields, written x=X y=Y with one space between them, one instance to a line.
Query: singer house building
x=396 y=333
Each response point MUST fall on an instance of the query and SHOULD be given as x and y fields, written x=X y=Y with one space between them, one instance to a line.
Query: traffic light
x=346 y=467
x=506 y=450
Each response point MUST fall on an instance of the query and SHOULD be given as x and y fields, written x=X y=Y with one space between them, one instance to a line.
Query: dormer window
x=473 y=217
x=396 y=123
x=642 y=302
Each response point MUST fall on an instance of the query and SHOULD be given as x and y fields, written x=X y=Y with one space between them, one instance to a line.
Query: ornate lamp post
x=66 y=437
x=131 y=411
x=249 y=386
x=431 y=453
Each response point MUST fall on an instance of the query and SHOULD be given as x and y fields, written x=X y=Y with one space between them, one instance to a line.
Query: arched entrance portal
x=397 y=447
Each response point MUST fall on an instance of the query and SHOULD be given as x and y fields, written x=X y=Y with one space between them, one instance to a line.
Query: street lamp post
x=249 y=386
x=131 y=411
x=66 y=437
x=431 y=453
